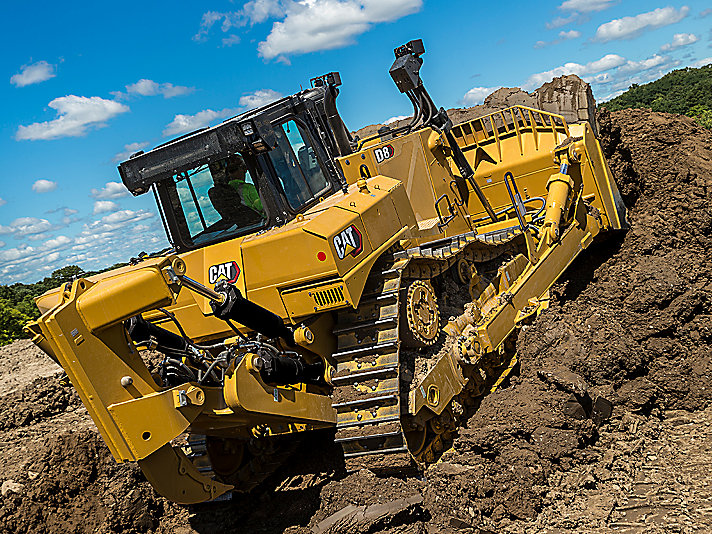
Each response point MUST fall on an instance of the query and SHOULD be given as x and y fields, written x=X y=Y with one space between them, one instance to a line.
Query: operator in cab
x=232 y=196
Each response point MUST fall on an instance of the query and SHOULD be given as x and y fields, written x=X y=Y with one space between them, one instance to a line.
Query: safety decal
x=348 y=241
x=229 y=271
x=383 y=153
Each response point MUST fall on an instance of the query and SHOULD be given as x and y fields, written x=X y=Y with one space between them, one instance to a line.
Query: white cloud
x=231 y=40
x=558 y=22
x=26 y=226
x=607 y=62
x=33 y=73
x=639 y=72
x=187 y=123
x=571 y=34
x=3 y=202
x=563 y=36
x=229 y=20
x=17 y=253
x=397 y=118
x=2 y=244
x=705 y=13
x=254 y=12
x=702 y=62
x=313 y=25
x=44 y=186
x=102 y=206
x=679 y=40
x=111 y=191
x=109 y=222
x=57 y=242
x=24 y=261
x=586 y=6
x=129 y=149
x=609 y=75
x=76 y=115
x=261 y=10
x=259 y=98
x=145 y=87
x=644 y=64
x=630 y=27
x=476 y=95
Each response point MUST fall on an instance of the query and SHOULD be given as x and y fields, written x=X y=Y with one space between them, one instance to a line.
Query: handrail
x=528 y=116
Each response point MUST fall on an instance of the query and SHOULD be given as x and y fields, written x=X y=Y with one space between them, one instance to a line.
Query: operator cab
x=250 y=173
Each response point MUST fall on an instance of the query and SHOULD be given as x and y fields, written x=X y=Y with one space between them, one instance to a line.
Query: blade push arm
x=136 y=417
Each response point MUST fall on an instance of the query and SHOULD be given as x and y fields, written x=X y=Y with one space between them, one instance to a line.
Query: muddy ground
x=630 y=321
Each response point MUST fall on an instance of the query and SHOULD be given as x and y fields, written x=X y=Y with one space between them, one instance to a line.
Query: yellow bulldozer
x=307 y=278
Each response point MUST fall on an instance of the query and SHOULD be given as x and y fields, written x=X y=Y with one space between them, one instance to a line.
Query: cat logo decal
x=229 y=271
x=348 y=241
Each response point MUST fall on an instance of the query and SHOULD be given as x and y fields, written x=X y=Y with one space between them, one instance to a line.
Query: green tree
x=67 y=274
x=687 y=91
x=705 y=119
x=11 y=322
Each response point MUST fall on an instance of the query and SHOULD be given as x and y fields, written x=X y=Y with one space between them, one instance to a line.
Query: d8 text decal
x=228 y=271
x=348 y=241
x=383 y=153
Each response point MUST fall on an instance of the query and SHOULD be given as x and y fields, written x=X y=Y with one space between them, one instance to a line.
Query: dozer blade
x=174 y=476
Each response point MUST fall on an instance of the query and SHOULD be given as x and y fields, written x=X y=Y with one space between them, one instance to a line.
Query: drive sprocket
x=421 y=326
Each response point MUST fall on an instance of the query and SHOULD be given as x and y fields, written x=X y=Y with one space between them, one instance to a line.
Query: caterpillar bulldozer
x=307 y=277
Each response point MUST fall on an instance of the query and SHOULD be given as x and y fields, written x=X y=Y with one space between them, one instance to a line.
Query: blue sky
x=83 y=86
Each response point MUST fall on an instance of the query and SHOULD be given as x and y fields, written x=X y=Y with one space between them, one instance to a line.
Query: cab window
x=216 y=201
x=296 y=165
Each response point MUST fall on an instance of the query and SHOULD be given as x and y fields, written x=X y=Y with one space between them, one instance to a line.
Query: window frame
x=176 y=220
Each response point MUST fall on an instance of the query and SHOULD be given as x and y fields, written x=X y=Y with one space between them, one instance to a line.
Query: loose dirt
x=629 y=321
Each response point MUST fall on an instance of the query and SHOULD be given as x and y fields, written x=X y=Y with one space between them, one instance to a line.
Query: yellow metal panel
x=265 y=257
x=120 y=298
x=316 y=298
x=245 y=392
x=174 y=476
x=144 y=429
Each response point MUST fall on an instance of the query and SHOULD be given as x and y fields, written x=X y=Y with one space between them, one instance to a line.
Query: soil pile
x=629 y=321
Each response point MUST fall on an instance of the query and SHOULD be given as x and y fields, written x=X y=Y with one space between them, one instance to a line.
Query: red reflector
x=321 y=256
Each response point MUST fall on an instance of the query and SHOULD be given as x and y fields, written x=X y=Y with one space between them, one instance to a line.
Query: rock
x=570 y=97
x=361 y=518
x=32 y=475
x=447 y=468
x=454 y=522
x=564 y=379
x=505 y=97
x=10 y=486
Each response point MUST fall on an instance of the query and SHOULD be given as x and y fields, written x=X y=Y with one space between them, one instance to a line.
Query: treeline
x=17 y=305
x=686 y=91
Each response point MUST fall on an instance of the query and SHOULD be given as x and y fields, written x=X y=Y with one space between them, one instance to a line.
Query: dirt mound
x=74 y=485
x=629 y=321
x=633 y=314
x=39 y=401
x=22 y=362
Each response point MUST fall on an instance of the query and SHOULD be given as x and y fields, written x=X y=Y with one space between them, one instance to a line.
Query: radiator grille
x=329 y=297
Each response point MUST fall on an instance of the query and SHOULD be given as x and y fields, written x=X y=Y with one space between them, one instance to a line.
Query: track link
x=367 y=392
